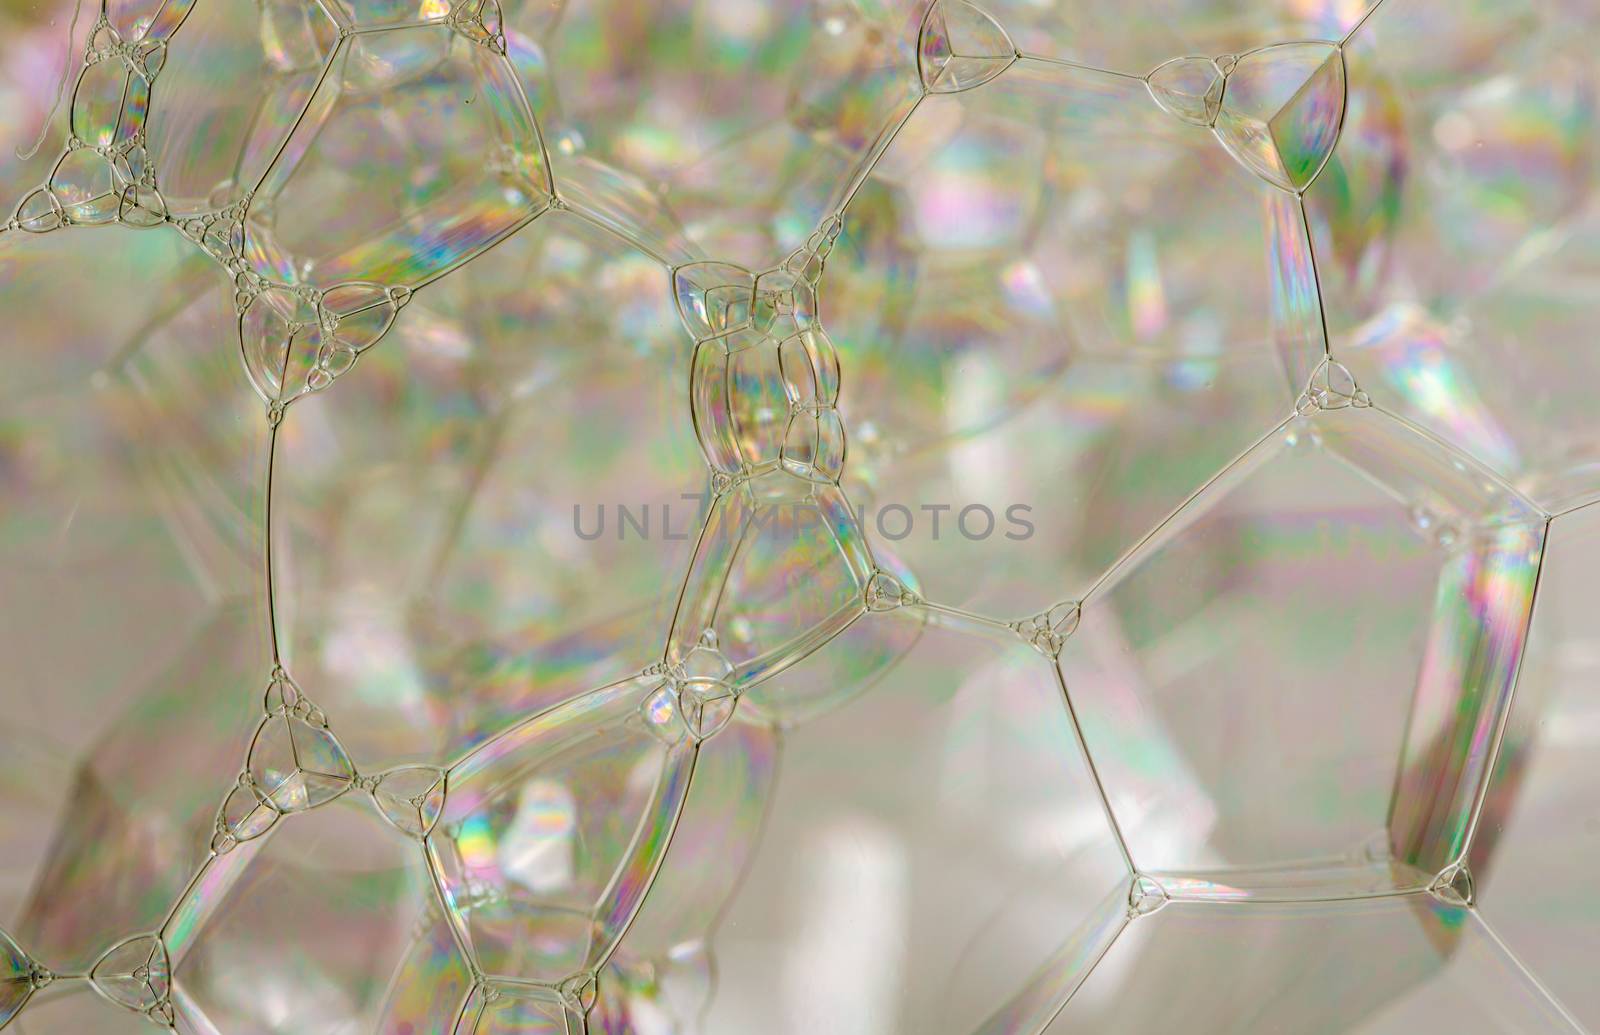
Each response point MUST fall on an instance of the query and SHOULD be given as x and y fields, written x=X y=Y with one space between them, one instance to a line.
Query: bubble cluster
x=1266 y=351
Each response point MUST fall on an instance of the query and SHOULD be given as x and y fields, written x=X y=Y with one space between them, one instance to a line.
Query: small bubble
x=1454 y=886
x=961 y=47
x=1145 y=896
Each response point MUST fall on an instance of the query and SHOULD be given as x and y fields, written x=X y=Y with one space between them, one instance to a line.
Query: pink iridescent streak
x=1467 y=676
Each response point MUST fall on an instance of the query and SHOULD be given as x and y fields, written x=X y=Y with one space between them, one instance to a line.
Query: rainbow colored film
x=784 y=517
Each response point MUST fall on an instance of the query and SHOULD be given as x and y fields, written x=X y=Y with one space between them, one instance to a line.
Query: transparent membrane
x=479 y=519
x=134 y=507
x=1536 y=836
x=742 y=119
x=927 y=516
x=974 y=803
x=1195 y=690
x=552 y=830
x=668 y=967
x=249 y=951
x=230 y=97
x=1456 y=226
x=432 y=982
x=383 y=98
x=74 y=1007
x=1134 y=39
x=1392 y=965
x=1033 y=336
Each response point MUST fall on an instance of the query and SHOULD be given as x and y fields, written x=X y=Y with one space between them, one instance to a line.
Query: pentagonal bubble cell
x=1384 y=966
x=834 y=83
x=373 y=64
x=967 y=799
x=1456 y=234
x=1018 y=336
x=552 y=829
x=505 y=473
x=1198 y=692
x=780 y=567
x=785 y=298
x=1537 y=838
x=306 y=929
x=236 y=80
x=136 y=825
x=416 y=152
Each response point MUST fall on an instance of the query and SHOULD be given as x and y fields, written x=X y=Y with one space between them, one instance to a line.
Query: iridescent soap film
x=784 y=517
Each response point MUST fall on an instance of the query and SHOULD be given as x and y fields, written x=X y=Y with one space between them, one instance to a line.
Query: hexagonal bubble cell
x=749 y=120
x=1385 y=966
x=1043 y=354
x=1538 y=834
x=507 y=467
x=1457 y=233
x=1284 y=719
x=966 y=799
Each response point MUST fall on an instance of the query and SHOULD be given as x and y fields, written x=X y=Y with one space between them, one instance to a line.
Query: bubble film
x=602 y=517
